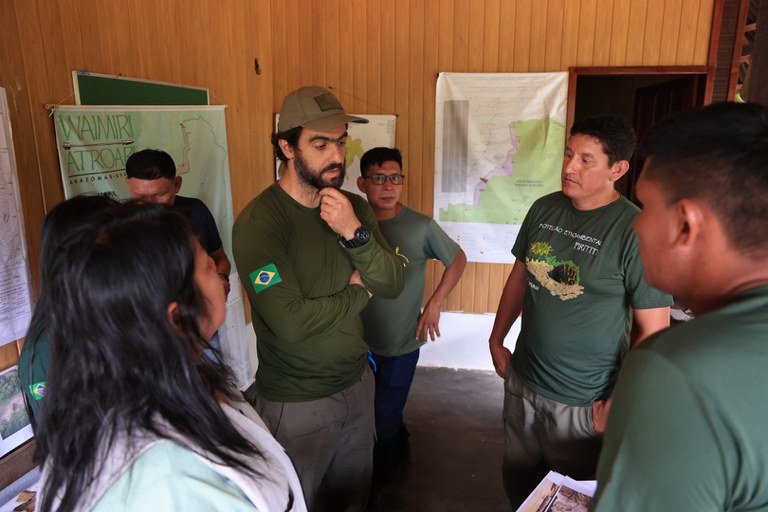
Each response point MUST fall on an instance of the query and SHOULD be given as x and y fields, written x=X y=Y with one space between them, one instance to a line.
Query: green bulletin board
x=98 y=89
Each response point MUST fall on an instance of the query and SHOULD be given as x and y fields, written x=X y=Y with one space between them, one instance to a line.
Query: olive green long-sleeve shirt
x=305 y=314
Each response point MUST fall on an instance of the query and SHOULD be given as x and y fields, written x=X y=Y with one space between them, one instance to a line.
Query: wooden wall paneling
x=653 y=32
x=704 y=31
x=497 y=276
x=37 y=71
x=356 y=45
x=389 y=74
x=415 y=142
x=522 y=44
x=259 y=153
x=482 y=276
x=280 y=36
x=320 y=50
x=637 y=33
x=603 y=32
x=372 y=42
x=507 y=24
x=69 y=20
x=296 y=72
x=445 y=36
x=402 y=70
x=587 y=29
x=571 y=34
x=461 y=37
x=426 y=157
x=620 y=26
x=553 y=53
x=670 y=33
x=491 y=36
x=329 y=11
x=475 y=37
x=689 y=18
x=539 y=34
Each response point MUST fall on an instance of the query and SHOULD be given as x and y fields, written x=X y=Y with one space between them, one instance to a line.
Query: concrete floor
x=456 y=440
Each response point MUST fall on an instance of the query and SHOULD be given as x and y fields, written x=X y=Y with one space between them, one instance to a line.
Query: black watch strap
x=362 y=235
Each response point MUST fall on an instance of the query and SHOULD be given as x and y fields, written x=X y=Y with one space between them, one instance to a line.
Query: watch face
x=362 y=234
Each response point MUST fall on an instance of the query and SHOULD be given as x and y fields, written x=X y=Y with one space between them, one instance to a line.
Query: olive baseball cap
x=314 y=108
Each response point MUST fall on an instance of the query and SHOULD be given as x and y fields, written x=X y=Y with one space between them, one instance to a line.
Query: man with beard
x=312 y=256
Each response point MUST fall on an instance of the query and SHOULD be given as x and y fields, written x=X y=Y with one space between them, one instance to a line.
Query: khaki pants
x=330 y=442
x=542 y=434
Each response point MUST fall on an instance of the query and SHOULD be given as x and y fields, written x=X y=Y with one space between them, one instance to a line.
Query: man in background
x=396 y=328
x=687 y=430
x=578 y=282
x=312 y=256
x=151 y=178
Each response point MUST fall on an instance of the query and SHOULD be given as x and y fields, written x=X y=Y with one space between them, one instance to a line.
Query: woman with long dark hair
x=35 y=354
x=134 y=417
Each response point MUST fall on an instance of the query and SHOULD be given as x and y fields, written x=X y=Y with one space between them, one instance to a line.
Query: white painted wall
x=462 y=345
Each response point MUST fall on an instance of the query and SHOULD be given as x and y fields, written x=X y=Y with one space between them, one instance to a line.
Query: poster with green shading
x=499 y=140
x=94 y=143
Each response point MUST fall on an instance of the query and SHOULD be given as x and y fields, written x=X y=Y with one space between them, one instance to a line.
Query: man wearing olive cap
x=312 y=255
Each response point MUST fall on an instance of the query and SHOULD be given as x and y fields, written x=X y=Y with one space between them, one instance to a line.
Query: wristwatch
x=362 y=235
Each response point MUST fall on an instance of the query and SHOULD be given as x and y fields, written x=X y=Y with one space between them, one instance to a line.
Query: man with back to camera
x=312 y=256
x=151 y=178
x=395 y=329
x=578 y=282
x=687 y=430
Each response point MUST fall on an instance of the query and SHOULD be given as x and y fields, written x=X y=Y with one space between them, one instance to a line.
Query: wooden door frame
x=575 y=72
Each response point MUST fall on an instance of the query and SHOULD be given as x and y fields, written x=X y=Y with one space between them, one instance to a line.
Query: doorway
x=642 y=96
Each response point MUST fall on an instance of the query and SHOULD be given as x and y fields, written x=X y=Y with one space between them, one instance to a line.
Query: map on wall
x=378 y=132
x=95 y=142
x=15 y=292
x=499 y=140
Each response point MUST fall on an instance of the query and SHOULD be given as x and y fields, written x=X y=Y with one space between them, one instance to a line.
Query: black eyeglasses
x=380 y=179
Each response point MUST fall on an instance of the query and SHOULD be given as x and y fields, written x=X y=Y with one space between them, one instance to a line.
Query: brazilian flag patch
x=37 y=390
x=265 y=277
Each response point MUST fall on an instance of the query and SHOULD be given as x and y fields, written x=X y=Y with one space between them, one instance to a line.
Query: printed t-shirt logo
x=37 y=390
x=265 y=277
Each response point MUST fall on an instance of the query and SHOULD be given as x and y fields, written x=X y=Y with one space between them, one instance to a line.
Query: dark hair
x=718 y=154
x=150 y=164
x=290 y=136
x=615 y=135
x=126 y=366
x=378 y=156
x=57 y=223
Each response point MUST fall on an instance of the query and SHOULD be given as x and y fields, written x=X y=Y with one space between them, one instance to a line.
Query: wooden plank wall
x=382 y=57
x=379 y=56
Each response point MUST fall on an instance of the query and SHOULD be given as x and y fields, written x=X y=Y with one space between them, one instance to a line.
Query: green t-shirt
x=305 y=314
x=33 y=366
x=584 y=278
x=688 y=426
x=390 y=324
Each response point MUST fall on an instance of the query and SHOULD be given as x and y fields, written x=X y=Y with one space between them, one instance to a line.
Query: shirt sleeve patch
x=265 y=277
x=37 y=390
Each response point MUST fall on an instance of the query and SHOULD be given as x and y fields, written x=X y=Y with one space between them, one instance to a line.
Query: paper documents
x=559 y=493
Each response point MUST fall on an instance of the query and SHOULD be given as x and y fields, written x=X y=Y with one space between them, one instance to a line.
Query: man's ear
x=177 y=184
x=688 y=224
x=286 y=148
x=619 y=169
x=361 y=185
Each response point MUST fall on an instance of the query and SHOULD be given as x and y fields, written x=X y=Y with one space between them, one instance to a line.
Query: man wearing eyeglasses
x=396 y=328
x=312 y=256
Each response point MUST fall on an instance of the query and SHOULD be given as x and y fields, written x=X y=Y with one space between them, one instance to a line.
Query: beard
x=316 y=179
